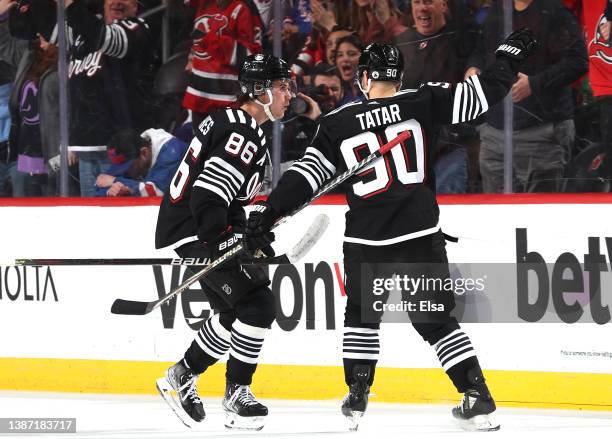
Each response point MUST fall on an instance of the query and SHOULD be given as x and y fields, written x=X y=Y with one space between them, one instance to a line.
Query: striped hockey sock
x=213 y=338
x=246 y=342
x=454 y=348
x=361 y=343
x=245 y=347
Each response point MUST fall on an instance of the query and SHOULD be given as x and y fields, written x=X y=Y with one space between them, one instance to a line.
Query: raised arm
x=119 y=39
x=465 y=101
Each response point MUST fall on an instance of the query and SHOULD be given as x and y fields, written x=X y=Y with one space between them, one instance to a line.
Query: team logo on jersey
x=252 y=188
x=90 y=64
x=599 y=46
x=227 y=289
x=209 y=24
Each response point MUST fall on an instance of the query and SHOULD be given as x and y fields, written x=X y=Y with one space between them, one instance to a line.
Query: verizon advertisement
x=556 y=282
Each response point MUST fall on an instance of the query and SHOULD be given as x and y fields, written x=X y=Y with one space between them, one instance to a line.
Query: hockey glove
x=258 y=234
x=518 y=45
x=223 y=243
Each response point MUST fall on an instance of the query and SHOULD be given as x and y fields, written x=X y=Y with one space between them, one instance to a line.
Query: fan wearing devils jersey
x=201 y=216
x=224 y=33
x=392 y=223
x=110 y=80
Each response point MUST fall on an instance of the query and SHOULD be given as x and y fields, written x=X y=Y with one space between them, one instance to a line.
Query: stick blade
x=310 y=238
x=130 y=307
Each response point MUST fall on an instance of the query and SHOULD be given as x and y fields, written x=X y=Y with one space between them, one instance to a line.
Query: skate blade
x=235 y=422
x=353 y=420
x=168 y=393
x=479 y=423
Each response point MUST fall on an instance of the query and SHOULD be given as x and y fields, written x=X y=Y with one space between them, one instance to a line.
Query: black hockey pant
x=367 y=268
x=244 y=307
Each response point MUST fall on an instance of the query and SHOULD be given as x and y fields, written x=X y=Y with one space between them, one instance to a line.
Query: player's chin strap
x=367 y=90
x=266 y=107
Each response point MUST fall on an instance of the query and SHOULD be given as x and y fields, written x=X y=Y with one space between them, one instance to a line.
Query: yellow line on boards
x=584 y=391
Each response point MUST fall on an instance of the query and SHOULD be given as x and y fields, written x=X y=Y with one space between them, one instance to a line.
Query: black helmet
x=258 y=71
x=383 y=62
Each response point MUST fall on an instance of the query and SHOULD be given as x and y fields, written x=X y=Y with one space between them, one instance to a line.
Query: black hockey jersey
x=222 y=170
x=111 y=76
x=393 y=199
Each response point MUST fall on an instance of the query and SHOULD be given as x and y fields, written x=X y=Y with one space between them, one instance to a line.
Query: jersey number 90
x=408 y=158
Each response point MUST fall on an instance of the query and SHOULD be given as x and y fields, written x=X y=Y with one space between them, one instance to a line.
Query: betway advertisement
x=546 y=266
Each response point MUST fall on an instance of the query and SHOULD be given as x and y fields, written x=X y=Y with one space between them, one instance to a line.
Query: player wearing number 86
x=202 y=216
x=393 y=213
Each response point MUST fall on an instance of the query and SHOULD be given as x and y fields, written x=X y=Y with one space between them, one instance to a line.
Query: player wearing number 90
x=393 y=214
x=202 y=216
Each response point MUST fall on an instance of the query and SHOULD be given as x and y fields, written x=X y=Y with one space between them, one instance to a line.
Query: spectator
x=376 y=20
x=329 y=14
x=33 y=96
x=142 y=165
x=436 y=50
x=327 y=83
x=224 y=32
x=331 y=43
x=110 y=80
x=543 y=103
x=598 y=23
x=347 y=57
x=7 y=74
x=321 y=97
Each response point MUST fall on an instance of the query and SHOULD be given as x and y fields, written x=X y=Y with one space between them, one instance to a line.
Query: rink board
x=58 y=334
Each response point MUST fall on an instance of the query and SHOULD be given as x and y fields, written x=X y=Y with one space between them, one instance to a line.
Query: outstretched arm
x=469 y=99
x=118 y=39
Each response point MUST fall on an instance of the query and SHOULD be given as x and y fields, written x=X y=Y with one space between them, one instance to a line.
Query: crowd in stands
x=132 y=113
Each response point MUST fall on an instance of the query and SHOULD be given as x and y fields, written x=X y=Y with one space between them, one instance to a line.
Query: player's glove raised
x=258 y=234
x=518 y=45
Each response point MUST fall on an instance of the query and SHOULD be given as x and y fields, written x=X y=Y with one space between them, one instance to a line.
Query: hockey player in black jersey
x=202 y=216
x=393 y=214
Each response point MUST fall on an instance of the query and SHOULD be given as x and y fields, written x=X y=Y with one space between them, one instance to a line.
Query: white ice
x=119 y=416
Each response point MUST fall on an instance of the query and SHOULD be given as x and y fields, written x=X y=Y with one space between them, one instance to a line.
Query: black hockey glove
x=223 y=243
x=258 y=234
x=518 y=45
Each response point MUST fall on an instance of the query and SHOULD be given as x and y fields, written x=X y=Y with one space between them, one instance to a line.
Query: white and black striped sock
x=361 y=343
x=213 y=338
x=246 y=342
x=454 y=348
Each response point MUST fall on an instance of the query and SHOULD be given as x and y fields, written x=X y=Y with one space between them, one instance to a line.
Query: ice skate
x=356 y=401
x=475 y=412
x=178 y=388
x=242 y=410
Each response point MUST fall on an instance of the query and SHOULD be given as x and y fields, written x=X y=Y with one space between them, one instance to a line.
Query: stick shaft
x=150 y=306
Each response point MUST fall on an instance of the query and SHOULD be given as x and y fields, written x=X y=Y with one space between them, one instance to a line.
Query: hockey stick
x=310 y=238
x=121 y=306
x=280 y=259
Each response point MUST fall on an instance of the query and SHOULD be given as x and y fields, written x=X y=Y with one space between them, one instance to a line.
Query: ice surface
x=120 y=416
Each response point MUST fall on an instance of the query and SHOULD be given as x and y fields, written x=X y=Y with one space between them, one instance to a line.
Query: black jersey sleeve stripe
x=115 y=41
x=321 y=159
x=314 y=167
x=221 y=178
x=220 y=183
x=227 y=192
x=314 y=185
x=214 y=168
x=469 y=101
x=311 y=167
x=211 y=187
